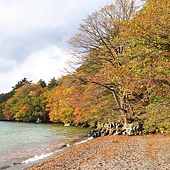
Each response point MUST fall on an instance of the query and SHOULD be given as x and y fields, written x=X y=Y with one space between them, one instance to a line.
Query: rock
x=118 y=132
x=110 y=128
x=38 y=121
x=67 y=124
x=134 y=128
x=94 y=133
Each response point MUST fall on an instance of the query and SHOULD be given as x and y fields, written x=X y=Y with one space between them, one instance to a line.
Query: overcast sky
x=34 y=35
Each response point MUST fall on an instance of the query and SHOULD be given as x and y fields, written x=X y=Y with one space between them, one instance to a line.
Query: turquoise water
x=24 y=144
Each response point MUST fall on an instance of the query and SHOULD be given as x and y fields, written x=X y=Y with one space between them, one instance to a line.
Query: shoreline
x=113 y=152
x=64 y=148
x=34 y=143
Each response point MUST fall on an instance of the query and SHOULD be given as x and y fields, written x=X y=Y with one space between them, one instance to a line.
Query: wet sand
x=114 y=153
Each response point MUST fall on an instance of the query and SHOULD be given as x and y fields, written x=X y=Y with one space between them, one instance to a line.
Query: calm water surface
x=24 y=144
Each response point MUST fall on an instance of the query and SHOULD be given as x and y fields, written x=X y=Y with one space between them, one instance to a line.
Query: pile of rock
x=133 y=128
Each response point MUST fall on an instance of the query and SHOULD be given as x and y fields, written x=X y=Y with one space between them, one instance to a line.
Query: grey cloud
x=30 y=26
x=17 y=48
x=5 y=65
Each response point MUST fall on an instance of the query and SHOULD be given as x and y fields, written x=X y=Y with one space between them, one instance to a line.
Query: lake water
x=25 y=144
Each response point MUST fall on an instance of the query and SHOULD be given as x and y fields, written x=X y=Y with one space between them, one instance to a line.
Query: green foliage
x=1 y=112
x=52 y=83
x=5 y=96
x=158 y=119
x=21 y=83
x=42 y=83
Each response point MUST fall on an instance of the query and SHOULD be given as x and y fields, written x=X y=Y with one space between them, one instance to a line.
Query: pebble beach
x=114 y=152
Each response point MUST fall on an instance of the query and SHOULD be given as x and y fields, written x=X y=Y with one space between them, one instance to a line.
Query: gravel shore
x=150 y=152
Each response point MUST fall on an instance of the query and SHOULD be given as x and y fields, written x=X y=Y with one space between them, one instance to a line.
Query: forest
x=119 y=71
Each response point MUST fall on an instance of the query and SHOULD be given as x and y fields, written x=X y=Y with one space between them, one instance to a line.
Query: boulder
x=67 y=124
x=111 y=128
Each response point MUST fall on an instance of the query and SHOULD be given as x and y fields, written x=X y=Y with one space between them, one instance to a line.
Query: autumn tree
x=129 y=56
x=92 y=104
x=149 y=36
x=5 y=96
x=21 y=83
x=59 y=105
x=99 y=44
x=27 y=104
